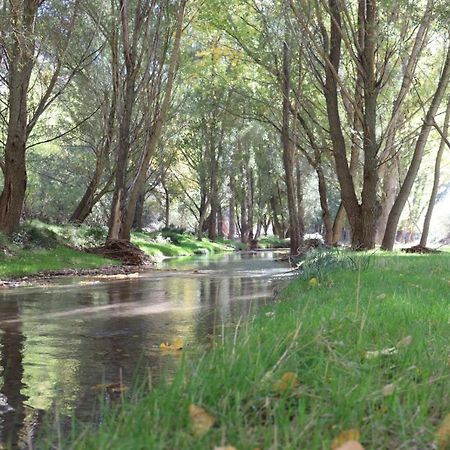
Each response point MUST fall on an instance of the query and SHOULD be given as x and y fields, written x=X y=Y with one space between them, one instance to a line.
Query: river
x=59 y=344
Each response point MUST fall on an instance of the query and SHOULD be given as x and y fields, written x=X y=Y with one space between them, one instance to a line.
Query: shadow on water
x=59 y=343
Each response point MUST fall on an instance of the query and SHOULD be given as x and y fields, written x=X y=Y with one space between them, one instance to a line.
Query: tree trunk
x=138 y=220
x=232 y=209
x=220 y=222
x=299 y=190
x=21 y=62
x=437 y=171
x=166 y=206
x=289 y=157
x=397 y=209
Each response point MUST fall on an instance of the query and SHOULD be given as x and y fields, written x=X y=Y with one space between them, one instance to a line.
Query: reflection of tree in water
x=12 y=412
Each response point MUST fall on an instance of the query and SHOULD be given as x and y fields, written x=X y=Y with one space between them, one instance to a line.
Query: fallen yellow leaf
x=351 y=435
x=177 y=344
x=201 y=420
x=443 y=434
x=351 y=445
x=227 y=447
x=289 y=380
x=313 y=281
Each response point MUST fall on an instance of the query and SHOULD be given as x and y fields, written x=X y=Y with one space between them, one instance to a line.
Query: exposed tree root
x=122 y=250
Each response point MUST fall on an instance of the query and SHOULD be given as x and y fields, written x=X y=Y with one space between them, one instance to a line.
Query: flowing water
x=59 y=343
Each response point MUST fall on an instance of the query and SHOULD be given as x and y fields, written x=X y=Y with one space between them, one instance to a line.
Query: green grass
x=322 y=334
x=273 y=242
x=176 y=244
x=31 y=262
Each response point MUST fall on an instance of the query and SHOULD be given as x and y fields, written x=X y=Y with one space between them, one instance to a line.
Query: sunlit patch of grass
x=177 y=244
x=30 y=262
x=321 y=333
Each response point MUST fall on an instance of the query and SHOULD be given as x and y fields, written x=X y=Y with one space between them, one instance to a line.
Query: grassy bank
x=172 y=243
x=363 y=349
x=40 y=247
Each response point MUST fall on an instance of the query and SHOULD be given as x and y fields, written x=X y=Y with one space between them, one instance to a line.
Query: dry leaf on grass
x=443 y=434
x=351 y=445
x=313 y=282
x=388 y=389
x=201 y=420
x=289 y=380
x=227 y=447
x=177 y=344
x=351 y=435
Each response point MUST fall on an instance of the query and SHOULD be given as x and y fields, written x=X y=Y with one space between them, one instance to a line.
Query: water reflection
x=57 y=344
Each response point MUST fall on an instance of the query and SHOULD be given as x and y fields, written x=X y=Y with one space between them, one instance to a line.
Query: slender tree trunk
x=214 y=195
x=289 y=157
x=250 y=202
x=220 y=222
x=397 y=209
x=244 y=224
x=166 y=206
x=232 y=209
x=437 y=171
x=299 y=190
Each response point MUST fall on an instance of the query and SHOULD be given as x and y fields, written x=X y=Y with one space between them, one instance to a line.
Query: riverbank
x=42 y=250
x=344 y=354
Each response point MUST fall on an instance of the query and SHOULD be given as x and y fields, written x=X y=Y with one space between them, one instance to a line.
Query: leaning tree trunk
x=402 y=198
x=437 y=171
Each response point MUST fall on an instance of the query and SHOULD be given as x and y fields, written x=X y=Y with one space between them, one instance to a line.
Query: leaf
x=351 y=445
x=443 y=434
x=289 y=380
x=227 y=447
x=177 y=344
x=381 y=296
x=388 y=389
x=385 y=352
x=405 y=342
x=201 y=420
x=313 y=282
x=350 y=435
